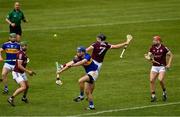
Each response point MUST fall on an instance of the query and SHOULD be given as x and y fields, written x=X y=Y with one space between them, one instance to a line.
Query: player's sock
x=24 y=96
x=164 y=95
x=164 y=91
x=5 y=91
x=24 y=99
x=91 y=104
x=12 y=97
x=5 y=88
x=153 y=97
x=81 y=94
x=153 y=94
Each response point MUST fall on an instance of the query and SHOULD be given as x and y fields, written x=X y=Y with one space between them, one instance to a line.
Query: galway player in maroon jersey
x=19 y=74
x=100 y=47
x=158 y=54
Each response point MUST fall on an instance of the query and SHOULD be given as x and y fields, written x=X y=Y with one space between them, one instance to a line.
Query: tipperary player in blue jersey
x=11 y=48
x=87 y=82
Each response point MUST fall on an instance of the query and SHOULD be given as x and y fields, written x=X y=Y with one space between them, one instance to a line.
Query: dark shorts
x=16 y=29
x=91 y=80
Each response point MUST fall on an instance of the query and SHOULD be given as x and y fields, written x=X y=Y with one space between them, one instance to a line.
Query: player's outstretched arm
x=79 y=63
x=170 y=55
x=66 y=67
x=120 y=45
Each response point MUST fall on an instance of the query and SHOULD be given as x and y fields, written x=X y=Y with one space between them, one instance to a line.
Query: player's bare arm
x=1 y=58
x=169 y=60
x=31 y=73
x=66 y=67
x=90 y=48
x=120 y=45
x=9 y=22
x=79 y=63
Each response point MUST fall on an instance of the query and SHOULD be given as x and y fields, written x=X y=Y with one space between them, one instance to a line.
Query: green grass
x=122 y=83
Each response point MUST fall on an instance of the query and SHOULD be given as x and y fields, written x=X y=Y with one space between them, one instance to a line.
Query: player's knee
x=80 y=81
x=152 y=81
x=27 y=86
x=4 y=75
x=24 y=87
x=161 y=81
x=87 y=93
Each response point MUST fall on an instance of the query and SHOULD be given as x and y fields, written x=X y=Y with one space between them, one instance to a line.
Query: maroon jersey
x=99 y=51
x=21 y=56
x=159 y=54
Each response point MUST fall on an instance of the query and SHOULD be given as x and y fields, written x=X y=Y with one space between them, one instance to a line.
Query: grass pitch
x=122 y=83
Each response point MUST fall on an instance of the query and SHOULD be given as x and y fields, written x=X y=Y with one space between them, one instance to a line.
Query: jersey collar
x=157 y=47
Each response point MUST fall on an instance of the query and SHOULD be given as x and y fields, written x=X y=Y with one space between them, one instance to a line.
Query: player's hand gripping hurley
x=58 y=68
x=129 y=38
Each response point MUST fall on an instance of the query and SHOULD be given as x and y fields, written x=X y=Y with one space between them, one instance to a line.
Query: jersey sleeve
x=20 y=56
x=23 y=17
x=3 y=46
x=108 y=45
x=166 y=50
x=151 y=49
x=87 y=57
x=9 y=15
x=93 y=44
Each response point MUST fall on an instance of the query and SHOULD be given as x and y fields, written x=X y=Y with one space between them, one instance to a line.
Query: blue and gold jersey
x=11 y=49
x=89 y=65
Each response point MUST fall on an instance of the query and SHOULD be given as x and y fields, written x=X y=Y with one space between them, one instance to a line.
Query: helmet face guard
x=81 y=49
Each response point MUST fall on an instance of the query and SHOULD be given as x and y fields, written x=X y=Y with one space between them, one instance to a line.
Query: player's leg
x=5 y=72
x=21 y=89
x=89 y=87
x=82 y=81
x=24 y=98
x=21 y=80
x=162 y=83
x=18 y=38
x=18 y=33
x=153 y=76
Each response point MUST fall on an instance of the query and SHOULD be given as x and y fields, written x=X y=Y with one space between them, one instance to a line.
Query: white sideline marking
x=126 y=109
x=94 y=25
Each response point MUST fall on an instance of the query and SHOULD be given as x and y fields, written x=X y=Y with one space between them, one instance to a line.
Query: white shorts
x=158 y=69
x=8 y=66
x=98 y=64
x=94 y=74
x=19 y=77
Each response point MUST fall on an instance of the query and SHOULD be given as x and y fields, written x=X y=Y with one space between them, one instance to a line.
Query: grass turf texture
x=122 y=83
